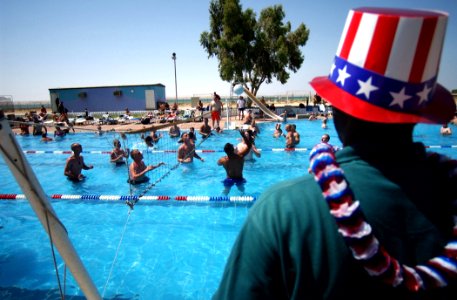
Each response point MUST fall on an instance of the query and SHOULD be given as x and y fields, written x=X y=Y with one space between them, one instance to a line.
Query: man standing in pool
x=205 y=129
x=118 y=155
x=75 y=164
x=233 y=164
x=186 y=152
x=138 y=169
x=376 y=219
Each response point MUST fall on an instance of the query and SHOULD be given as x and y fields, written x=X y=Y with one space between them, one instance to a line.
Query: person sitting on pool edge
x=75 y=164
x=117 y=155
x=138 y=169
x=233 y=164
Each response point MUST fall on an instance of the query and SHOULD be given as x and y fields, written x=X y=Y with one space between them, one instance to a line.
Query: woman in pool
x=138 y=169
x=118 y=154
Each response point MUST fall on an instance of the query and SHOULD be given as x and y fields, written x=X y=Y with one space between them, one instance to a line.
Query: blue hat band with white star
x=385 y=92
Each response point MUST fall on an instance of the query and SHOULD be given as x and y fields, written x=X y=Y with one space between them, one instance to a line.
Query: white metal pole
x=30 y=186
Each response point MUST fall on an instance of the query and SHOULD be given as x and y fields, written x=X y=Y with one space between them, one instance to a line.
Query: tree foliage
x=253 y=51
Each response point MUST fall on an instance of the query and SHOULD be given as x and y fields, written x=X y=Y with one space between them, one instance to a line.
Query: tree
x=250 y=51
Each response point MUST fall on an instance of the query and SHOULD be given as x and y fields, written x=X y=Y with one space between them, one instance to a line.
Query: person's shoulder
x=301 y=194
x=223 y=159
x=71 y=158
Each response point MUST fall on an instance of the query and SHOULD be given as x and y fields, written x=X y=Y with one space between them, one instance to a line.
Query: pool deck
x=136 y=127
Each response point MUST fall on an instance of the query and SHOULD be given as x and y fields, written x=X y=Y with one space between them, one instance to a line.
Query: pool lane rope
x=198 y=199
x=358 y=235
x=205 y=150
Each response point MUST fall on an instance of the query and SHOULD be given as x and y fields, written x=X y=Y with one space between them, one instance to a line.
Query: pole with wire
x=173 y=56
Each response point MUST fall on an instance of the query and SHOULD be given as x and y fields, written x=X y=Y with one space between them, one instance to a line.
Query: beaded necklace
x=358 y=235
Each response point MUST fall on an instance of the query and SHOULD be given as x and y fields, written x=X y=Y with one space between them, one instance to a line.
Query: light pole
x=173 y=56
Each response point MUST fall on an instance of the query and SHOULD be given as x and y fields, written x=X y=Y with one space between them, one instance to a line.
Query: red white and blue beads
x=365 y=247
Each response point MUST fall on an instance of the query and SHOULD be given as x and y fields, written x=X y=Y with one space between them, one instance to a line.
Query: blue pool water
x=170 y=249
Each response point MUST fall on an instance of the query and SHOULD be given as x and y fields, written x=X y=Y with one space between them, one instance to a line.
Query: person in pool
x=138 y=169
x=59 y=132
x=290 y=137
x=186 y=152
x=118 y=155
x=205 y=129
x=278 y=131
x=233 y=164
x=75 y=164
x=174 y=130
x=242 y=145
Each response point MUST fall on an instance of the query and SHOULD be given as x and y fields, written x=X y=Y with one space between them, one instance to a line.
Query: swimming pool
x=170 y=249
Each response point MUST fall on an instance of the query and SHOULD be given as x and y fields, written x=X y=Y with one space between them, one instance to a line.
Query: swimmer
x=99 y=130
x=118 y=155
x=290 y=137
x=296 y=134
x=205 y=129
x=174 y=130
x=233 y=164
x=186 y=152
x=75 y=164
x=242 y=146
x=192 y=134
x=138 y=169
x=324 y=122
x=59 y=132
x=155 y=137
x=278 y=131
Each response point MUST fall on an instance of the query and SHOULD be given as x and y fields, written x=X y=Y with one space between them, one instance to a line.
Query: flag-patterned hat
x=386 y=67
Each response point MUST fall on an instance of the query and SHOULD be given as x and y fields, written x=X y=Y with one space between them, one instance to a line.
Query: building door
x=54 y=96
x=150 y=99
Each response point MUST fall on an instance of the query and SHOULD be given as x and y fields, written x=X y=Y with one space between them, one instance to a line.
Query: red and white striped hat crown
x=386 y=67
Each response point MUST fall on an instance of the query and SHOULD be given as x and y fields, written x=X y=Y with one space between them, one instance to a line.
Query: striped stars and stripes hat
x=386 y=67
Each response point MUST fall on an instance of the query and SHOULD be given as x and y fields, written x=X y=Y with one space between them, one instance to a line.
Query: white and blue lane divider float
x=202 y=151
x=154 y=151
x=199 y=199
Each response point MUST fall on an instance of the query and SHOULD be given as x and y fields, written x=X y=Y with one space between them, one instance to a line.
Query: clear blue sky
x=50 y=44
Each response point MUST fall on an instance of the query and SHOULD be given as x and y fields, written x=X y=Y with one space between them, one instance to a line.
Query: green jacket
x=289 y=246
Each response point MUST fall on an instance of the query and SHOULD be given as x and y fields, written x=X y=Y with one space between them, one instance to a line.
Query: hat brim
x=440 y=110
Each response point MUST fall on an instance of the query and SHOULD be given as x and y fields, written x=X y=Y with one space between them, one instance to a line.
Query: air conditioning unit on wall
x=117 y=93
x=82 y=95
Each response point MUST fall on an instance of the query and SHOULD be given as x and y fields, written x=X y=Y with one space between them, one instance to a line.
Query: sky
x=59 y=44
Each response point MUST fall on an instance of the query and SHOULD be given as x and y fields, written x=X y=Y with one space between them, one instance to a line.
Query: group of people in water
x=232 y=162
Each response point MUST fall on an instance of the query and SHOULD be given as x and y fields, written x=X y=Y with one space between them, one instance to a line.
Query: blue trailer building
x=109 y=98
